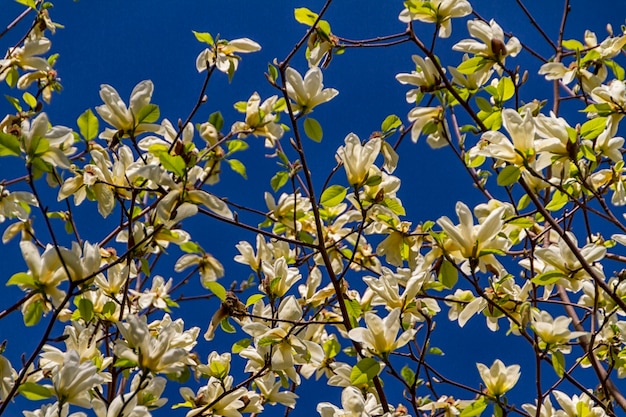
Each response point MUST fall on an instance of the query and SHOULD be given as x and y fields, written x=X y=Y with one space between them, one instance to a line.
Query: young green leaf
x=313 y=129
x=88 y=125
x=364 y=372
x=333 y=195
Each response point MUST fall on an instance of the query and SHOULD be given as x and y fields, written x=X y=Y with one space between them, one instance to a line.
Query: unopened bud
x=498 y=47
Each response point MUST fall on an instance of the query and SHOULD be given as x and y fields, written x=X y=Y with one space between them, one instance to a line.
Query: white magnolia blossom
x=491 y=43
x=439 y=12
x=380 y=337
x=223 y=54
x=353 y=405
x=308 y=92
x=124 y=119
x=554 y=333
x=499 y=379
x=357 y=159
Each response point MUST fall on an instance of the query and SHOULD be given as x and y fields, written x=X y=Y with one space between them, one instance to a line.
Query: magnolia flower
x=588 y=79
x=38 y=133
x=270 y=389
x=469 y=241
x=15 y=204
x=439 y=12
x=25 y=57
x=53 y=410
x=517 y=150
x=7 y=377
x=73 y=380
x=164 y=350
x=546 y=409
x=278 y=277
x=308 y=92
x=353 y=403
x=498 y=379
x=122 y=118
x=559 y=257
x=218 y=365
x=357 y=159
x=260 y=120
x=223 y=54
x=209 y=267
x=572 y=406
x=554 y=333
x=216 y=398
x=492 y=47
x=379 y=337
x=471 y=81
x=425 y=118
x=425 y=76
x=157 y=296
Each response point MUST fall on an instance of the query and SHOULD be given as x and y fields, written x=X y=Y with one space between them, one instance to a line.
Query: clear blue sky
x=121 y=42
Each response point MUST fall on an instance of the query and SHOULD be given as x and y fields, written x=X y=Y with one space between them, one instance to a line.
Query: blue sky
x=120 y=42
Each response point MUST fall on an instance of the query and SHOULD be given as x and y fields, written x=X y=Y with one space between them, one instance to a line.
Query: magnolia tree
x=346 y=287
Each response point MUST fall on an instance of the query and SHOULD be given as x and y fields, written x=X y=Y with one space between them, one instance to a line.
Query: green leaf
x=240 y=345
x=618 y=71
x=217 y=289
x=21 y=278
x=364 y=372
x=148 y=114
x=279 y=180
x=28 y=3
x=474 y=409
x=34 y=392
x=305 y=16
x=237 y=166
x=191 y=247
x=272 y=72
x=523 y=202
x=14 y=102
x=391 y=122
x=253 y=299
x=471 y=65
x=241 y=106
x=509 y=175
x=85 y=306
x=573 y=45
x=592 y=128
x=394 y=205
x=216 y=120
x=354 y=311
x=33 y=313
x=313 y=129
x=484 y=104
x=331 y=347
x=12 y=77
x=408 y=375
x=145 y=266
x=548 y=278
x=333 y=195
x=88 y=125
x=436 y=351
x=559 y=200
x=506 y=89
x=236 y=145
x=558 y=363
x=173 y=163
x=204 y=37
x=9 y=145
x=524 y=222
x=448 y=275
x=226 y=326
x=30 y=100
